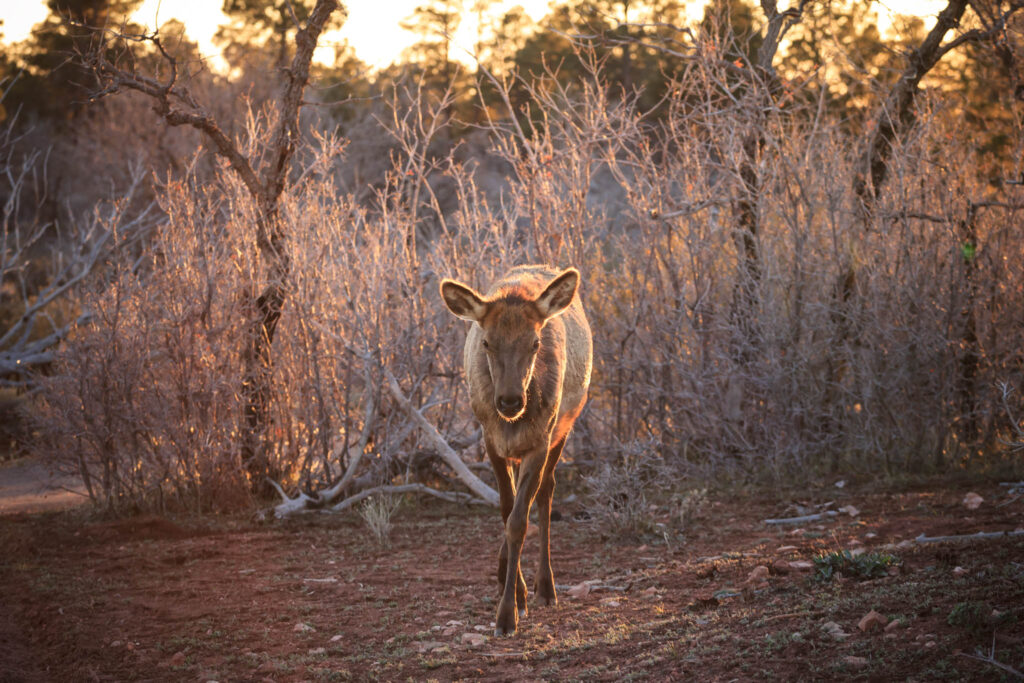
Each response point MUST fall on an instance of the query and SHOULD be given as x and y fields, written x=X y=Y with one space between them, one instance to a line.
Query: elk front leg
x=507 y=495
x=544 y=582
x=513 y=598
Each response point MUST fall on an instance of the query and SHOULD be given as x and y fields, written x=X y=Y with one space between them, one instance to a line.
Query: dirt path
x=316 y=599
x=27 y=486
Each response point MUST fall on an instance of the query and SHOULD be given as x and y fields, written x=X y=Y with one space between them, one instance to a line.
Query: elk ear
x=462 y=300
x=558 y=294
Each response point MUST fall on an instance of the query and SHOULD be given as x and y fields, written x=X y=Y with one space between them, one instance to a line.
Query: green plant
x=861 y=567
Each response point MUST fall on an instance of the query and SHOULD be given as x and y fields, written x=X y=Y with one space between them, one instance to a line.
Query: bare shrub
x=831 y=339
x=377 y=513
x=620 y=493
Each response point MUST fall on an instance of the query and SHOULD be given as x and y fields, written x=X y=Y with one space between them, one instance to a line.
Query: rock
x=610 y=602
x=758 y=575
x=872 y=621
x=468 y=597
x=303 y=628
x=318 y=651
x=855 y=662
x=786 y=549
x=871 y=534
x=959 y=571
x=891 y=636
x=450 y=631
x=972 y=501
x=893 y=625
x=336 y=638
x=177 y=659
x=850 y=510
x=857 y=552
x=649 y=592
x=481 y=628
x=904 y=544
x=532 y=531
x=801 y=565
x=580 y=590
x=454 y=622
x=473 y=639
x=929 y=645
x=781 y=567
x=427 y=646
x=834 y=630
x=840 y=484
x=854 y=543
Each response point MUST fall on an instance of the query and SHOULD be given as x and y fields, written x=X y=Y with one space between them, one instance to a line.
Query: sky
x=372 y=27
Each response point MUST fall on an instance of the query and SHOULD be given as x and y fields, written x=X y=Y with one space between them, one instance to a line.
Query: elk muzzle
x=510 y=406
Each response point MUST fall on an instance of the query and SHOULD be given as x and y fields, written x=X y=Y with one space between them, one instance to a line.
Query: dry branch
x=806 y=518
x=980 y=536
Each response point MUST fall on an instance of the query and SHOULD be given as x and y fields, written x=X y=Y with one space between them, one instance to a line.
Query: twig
x=805 y=518
x=980 y=536
x=991 y=660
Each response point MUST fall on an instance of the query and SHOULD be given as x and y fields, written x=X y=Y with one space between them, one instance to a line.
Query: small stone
x=786 y=549
x=850 y=510
x=835 y=630
x=580 y=590
x=840 y=484
x=650 y=591
x=610 y=602
x=891 y=636
x=115 y=643
x=454 y=622
x=872 y=621
x=481 y=628
x=854 y=543
x=893 y=625
x=929 y=645
x=857 y=552
x=427 y=646
x=758 y=575
x=468 y=597
x=959 y=571
x=318 y=651
x=871 y=534
x=336 y=638
x=855 y=662
x=802 y=565
x=450 y=631
x=303 y=628
x=972 y=501
x=177 y=659
x=473 y=639
x=904 y=544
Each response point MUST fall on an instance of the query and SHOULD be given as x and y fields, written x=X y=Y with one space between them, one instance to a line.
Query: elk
x=527 y=357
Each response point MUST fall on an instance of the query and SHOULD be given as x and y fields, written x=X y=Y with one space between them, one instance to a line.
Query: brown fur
x=526 y=399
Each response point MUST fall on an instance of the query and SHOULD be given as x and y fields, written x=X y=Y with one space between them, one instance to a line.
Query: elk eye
x=486 y=345
x=536 y=344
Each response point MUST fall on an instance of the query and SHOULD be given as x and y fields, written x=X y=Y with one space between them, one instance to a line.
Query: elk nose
x=510 y=405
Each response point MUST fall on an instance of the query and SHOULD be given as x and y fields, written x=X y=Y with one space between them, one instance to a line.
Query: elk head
x=511 y=322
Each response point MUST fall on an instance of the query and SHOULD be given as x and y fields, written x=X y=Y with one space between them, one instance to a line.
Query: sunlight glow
x=372 y=28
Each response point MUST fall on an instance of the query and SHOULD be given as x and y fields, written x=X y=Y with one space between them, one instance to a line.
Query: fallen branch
x=447 y=453
x=806 y=518
x=990 y=659
x=450 y=496
x=980 y=536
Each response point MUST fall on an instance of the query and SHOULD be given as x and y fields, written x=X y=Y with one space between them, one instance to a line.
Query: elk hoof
x=547 y=598
x=505 y=624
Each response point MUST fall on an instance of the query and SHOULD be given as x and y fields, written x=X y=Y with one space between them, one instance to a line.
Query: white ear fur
x=462 y=301
x=559 y=293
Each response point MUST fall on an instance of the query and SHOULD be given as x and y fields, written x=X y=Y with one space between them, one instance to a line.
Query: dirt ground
x=317 y=598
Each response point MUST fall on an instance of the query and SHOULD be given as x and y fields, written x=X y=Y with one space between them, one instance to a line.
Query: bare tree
x=264 y=174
